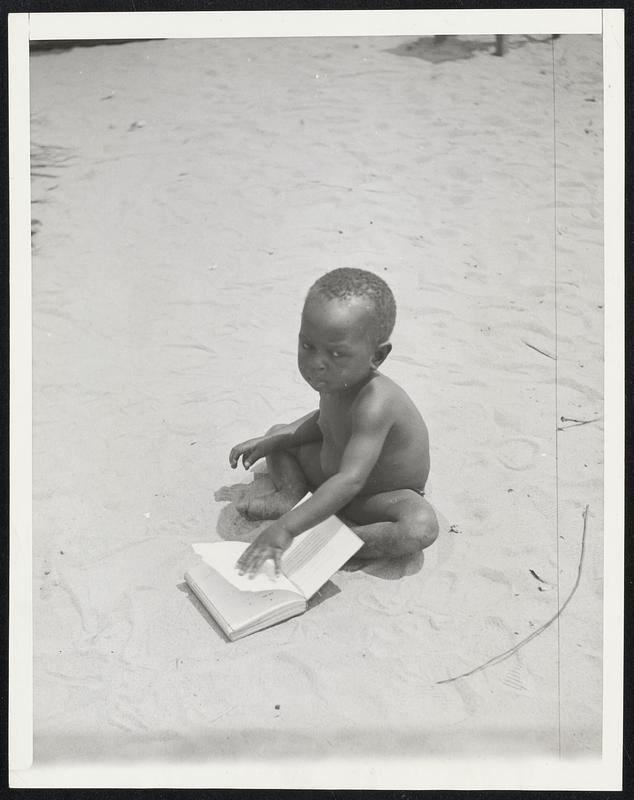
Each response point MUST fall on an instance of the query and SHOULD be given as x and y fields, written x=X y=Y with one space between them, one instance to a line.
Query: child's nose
x=319 y=364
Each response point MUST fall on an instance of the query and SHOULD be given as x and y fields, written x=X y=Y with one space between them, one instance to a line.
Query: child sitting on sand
x=364 y=453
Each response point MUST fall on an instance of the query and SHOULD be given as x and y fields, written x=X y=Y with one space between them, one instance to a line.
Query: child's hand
x=251 y=451
x=271 y=543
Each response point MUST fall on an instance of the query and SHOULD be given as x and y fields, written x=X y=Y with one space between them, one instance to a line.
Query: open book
x=243 y=605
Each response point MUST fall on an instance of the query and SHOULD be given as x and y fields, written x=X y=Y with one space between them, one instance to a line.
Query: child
x=364 y=454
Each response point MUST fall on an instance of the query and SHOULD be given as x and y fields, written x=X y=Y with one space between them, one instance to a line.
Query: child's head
x=347 y=320
x=373 y=292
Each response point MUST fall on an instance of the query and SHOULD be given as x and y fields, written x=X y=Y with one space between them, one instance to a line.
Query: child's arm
x=370 y=428
x=371 y=425
x=303 y=430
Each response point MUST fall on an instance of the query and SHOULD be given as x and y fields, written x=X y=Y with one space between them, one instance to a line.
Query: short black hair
x=351 y=282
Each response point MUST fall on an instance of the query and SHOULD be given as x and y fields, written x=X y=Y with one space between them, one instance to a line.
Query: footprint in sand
x=513 y=678
x=297 y=669
x=518 y=454
x=495 y=575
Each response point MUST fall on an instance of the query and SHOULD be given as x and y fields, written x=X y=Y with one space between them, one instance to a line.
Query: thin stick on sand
x=543 y=352
x=576 y=422
x=507 y=653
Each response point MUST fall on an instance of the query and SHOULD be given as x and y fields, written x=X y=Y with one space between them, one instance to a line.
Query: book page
x=222 y=557
x=318 y=553
x=240 y=612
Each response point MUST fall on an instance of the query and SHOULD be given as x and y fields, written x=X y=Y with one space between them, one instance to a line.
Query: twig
x=507 y=653
x=223 y=714
x=543 y=352
x=535 y=575
x=576 y=422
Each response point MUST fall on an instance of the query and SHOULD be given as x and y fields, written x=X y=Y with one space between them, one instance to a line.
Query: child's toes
x=224 y=493
x=232 y=494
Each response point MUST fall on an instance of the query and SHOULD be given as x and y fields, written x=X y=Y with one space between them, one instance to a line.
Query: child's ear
x=380 y=354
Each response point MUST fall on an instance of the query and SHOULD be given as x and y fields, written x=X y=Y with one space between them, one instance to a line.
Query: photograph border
x=535 y=774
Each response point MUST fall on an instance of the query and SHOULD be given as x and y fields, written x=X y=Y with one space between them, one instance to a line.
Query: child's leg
x=392 y=524
x=293 y=472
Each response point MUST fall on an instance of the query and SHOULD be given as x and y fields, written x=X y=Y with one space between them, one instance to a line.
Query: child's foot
x=231 y=494
x=266 y=506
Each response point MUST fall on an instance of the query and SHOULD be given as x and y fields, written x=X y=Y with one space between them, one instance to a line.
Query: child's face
x=336 y=349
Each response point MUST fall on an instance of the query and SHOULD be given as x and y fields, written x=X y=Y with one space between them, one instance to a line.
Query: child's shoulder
x=383 y=399
x=381 y=390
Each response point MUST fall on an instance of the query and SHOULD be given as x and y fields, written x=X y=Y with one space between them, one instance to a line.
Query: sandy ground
x=185 y=195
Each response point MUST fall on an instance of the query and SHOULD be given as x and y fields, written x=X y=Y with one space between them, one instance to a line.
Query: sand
x=187 y=192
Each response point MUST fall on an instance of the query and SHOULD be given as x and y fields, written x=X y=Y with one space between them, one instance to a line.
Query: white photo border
x=528 y=774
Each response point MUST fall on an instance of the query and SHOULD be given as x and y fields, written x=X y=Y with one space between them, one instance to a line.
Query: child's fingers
x=254 y=562
x=242 y=566
x=236 y=452
x=234 y=455
x=244 y=557
x=243 y=562
x=249 y=451
x=252 y=559
x=250 y=457
x=247 y=561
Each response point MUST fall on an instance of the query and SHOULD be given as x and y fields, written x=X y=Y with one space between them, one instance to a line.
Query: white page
x=222 y=557
x=318 y=553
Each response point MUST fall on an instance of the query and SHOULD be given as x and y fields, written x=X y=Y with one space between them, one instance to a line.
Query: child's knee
x=421 y=527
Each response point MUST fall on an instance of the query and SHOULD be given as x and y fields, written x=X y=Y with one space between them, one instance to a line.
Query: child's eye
x=305 y=346
x=336 y=354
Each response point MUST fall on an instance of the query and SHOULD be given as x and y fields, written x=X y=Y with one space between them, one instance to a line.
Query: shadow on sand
x=63 y=45
x=454 y=48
